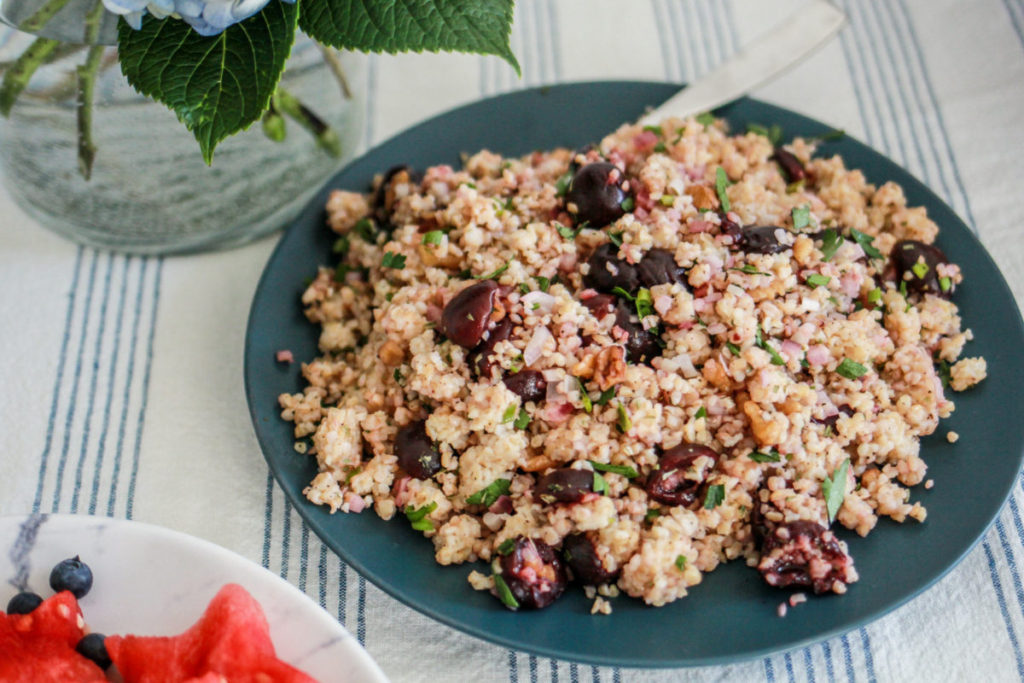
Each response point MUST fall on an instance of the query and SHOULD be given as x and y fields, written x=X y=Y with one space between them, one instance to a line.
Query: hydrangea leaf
x=479 y=26
x=217 y=85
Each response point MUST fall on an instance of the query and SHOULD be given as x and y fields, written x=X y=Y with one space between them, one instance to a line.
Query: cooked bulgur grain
x=631 y=363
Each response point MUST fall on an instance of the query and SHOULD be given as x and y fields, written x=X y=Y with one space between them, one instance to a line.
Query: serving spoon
x=759 y=61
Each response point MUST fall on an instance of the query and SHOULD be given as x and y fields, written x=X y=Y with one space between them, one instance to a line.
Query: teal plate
x=731 y=615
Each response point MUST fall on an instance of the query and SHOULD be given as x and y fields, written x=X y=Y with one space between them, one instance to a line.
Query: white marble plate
x=149 y=580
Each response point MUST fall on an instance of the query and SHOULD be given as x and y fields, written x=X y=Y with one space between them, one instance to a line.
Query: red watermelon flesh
x=39 y=647
x=230 y=642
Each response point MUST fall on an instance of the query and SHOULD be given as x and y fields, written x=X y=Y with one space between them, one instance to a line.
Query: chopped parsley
x=701 y=412
x=522 y=420
x=761 y=343
x=830 y=242
x=903 y=290
x=624 y=422
x=600 y=484
x=568 y=233
x=606 y=395
x=654 y=129
x=681 y=562
x=714 y=496
x=468 y=184
x=418 y=516
x=944 y=374
x=652 y=514
x=509 y=414
x=543 y=283
x=668 y=200
x=733 y=349
x=851 y=369
x=507 y=546
x=627 y=204
x=721 y=183
x=615 y=238
x=625 y=470
x=365 y=229
x=619 y=291
x=644 y=303
x=832 y=135
x=588 y=405
x=341 y=271
x=945 y=283
x=801 y=216
x=706 y=119
x=341 y=245
x=505 y=593
x=490 y=493
x=774 y=134
x=495 y=274
x=875 y=296
x=393 y=260
x=771 y=456
x=397 y=374
x=750 y=269
x=866 y=243
x=563 y=183
x=834 y=488
x=818 y=280
x=433 y=237
x=920 y=269
x=660 y=147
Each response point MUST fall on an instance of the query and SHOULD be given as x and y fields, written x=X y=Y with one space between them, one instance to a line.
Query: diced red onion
x=818 y=355
x=535 y=348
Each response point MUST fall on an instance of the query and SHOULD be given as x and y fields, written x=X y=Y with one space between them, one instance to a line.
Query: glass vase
x=149 y=190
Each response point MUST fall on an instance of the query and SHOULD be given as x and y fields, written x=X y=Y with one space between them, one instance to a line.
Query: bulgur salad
x=625 y=364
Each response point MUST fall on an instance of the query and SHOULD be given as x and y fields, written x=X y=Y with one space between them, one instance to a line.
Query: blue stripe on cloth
x=304 y=558
x=322 y=577
x=869 y=659
x=268 y=519
x=286 y=536
x=787 y=662
x=666 y=45
x=769 y=670
x=101 y=447
x=849 y=37
x=122 y=429
x=1004 y=543
x=76 y=377
x=361 y=612
x=533 y=668
x=1016 y=18
x=58 y=380
x=848 y=659
x=809 y=664
x=911 y=33
x=829 y=671
x=554 y=670
x=513 y=667
x=94 y=381
x=343 y=594
x=1001 y=601
x=146 y=374
x=574 y=672
x=554 y=33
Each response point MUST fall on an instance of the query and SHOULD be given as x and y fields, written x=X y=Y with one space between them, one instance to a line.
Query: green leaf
x=624 y=423
x=216 y=85
x=522 y=420
x=851 y=369
x=433 y=237
x=644 y=303
x=834 y=488
x=706 y=119
x=701 y=412
x=625 y=470
x=818 y=280
x=680 y=562
x=496 y=273
x=721 y=183
x=771 y=456
x=393 y=260
x=714 y=496
x=866 y=242
x=801 y=216
x=830 y=243
x=510 y=413
x=505 y=593
x=600 y=485
x=615 y=238
x=490 y=493
x=588 y=405
x=606 y=395
x=627 y=204
x=480 y=26
x=507 y=546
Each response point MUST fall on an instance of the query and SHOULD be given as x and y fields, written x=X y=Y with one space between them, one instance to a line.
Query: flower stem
x=334 y=64
x=86 y=84
x=42 y=16
x=325 y=136
x=18 y=75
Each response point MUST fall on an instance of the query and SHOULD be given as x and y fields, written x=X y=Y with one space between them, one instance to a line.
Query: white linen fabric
x=125 y=373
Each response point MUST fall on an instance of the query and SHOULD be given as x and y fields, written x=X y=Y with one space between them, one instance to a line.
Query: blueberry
x=23 y=603
x=94 y=647
x=72 y=575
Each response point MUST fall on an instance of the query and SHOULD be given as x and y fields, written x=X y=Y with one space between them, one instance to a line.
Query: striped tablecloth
x=124 y=374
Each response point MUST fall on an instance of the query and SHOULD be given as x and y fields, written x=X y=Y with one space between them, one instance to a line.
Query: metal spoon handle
x=759 y=61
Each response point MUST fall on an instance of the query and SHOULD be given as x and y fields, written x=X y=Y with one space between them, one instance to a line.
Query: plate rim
x=305 y=509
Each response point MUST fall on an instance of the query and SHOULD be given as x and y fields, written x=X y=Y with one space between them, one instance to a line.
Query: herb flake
x=505 y=593
x=496 y=273
x=866 y=243
x=701 y=412
x=721 y=183
x=522 y=420
x=568 y=233
x=834 y=489
x=706 y=119
x=490 y=493
x=600 y=485
x=818 y=280
x=801 y=216
x=714 y=496
x=851 y=369
x=680 y=562
x=628 y=204
x=588 y=405
x=433 y=237
x=771 y=456
x=830 y=242
x=393 y=260
x=624 y=423
x=625 y=470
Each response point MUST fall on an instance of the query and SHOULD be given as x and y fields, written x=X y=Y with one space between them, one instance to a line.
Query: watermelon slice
x=230 y=642
x=39 y=647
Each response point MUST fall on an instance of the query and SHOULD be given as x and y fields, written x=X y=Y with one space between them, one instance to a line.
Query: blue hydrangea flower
x=206 y=17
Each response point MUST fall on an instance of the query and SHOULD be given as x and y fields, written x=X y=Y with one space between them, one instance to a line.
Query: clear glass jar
x=150 y=191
